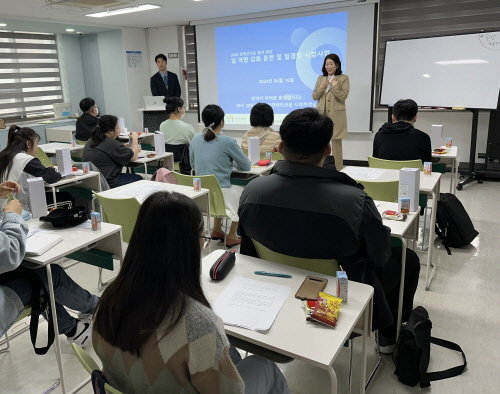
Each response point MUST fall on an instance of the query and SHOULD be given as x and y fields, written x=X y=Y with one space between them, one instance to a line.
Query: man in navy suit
x=164 y=83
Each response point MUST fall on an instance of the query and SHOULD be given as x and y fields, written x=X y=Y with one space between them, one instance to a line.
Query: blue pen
x=265 y=273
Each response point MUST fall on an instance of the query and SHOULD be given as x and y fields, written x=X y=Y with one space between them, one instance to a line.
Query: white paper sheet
x=141 y=192
x=364 y=173
x=250 y=303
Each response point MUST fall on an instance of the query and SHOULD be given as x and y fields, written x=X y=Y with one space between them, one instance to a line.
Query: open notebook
x=39 y=242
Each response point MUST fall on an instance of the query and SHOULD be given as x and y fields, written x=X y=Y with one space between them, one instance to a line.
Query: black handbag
x=412 y=352
x=64 y=218
x=223 y=265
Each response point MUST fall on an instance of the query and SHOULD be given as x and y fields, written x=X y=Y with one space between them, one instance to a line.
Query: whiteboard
x=453 y=71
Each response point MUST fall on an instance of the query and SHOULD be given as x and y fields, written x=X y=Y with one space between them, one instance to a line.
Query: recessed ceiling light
x=70 y=30
x=196 y=0
x=79 y=32
x=3 y=24
x=143 y=7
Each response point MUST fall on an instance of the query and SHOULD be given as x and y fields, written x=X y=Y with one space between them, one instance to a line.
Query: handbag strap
x=446 y=373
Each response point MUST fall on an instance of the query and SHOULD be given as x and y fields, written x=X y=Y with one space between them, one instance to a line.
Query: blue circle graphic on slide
x=328 y=36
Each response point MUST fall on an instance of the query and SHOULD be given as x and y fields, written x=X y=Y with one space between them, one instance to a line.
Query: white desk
x=401 y=230
x=143 y=189
x=167 y=158
x=50 y=148
x=90 y=181
x=450 y=157
x=291 y=334
x=147 y=138
x=108 y=239
x=60 y=133
x=429 y=184
x=257 y=170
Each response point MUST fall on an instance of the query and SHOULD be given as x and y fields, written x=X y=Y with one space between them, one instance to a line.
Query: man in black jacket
x=399 y=140
x=305 y=210
x=87 y=122
x=164 y=83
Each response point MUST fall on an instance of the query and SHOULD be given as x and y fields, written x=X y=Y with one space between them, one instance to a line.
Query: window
x=30 y=82
x=191 y=67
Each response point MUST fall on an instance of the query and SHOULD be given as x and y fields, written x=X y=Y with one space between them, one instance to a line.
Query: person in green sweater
x=214 y=153
x=176 y=131
x=154 y=329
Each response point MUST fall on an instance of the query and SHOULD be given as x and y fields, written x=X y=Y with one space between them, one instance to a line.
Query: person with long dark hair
x=213 y=153
x=331 y=91
x=16 y=286
x=109 y=155
x=18 y=161
x=154 y=330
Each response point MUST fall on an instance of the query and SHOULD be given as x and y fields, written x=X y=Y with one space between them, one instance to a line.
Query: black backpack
x=453 y=224
x=412 y=352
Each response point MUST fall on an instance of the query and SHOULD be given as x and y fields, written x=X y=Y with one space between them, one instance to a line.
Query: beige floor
x=463 y=304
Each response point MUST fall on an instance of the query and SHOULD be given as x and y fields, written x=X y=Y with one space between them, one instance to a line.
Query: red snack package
x=326 y=310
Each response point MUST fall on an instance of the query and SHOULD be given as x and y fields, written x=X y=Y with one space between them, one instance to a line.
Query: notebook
x=39 y=242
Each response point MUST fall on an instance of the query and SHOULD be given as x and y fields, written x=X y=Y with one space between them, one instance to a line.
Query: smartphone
x=310 y=287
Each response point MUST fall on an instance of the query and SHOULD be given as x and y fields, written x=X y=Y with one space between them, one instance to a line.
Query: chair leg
x=225 y=232
x=351 y=343
x=422 y=247
x=7 y=346
x=379 y=361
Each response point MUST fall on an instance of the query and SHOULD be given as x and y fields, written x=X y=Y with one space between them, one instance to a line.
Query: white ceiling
x=173 y=12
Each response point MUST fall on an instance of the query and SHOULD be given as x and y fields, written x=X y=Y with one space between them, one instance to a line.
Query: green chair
x=80 y=142
x=394 y=164
x=322 y=266
x=44 y=159
x=25 y=313
x=90 y=365
x=210 y=182
x=382 y=191
x=121 y=211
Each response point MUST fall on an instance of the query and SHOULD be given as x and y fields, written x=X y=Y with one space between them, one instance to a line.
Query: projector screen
x=277 y=60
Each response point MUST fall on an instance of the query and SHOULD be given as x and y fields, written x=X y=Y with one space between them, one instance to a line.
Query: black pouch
x=63 y=218
x=223 y=265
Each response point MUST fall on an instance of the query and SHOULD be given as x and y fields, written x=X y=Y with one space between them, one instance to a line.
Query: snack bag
x=326 y=310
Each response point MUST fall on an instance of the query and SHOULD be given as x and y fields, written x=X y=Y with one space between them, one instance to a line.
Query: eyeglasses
x=206 y=240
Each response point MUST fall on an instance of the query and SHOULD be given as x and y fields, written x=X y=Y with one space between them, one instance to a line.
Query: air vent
x=90 y=3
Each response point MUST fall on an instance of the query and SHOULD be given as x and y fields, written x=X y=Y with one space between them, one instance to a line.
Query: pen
x=265 y=273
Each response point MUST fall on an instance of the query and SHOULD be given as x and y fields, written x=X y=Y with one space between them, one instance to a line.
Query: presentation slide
x=277 y=60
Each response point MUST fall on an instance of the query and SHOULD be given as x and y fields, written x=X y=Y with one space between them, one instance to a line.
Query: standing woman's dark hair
x=17 y=141
x=104 y=124
x=262 y=115
x=336 y=60
x=212 y=117
x=172 y=103
x=160 y=271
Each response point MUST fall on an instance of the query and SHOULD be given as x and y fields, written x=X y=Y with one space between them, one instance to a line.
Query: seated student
x=88 y=120
x=213 y=153
x=261 y=119
x=177 y=132
x=399 y=140
x=321 y=213
x=154 y=329
x=109 y=155
x=15 y=290
x=17 y=161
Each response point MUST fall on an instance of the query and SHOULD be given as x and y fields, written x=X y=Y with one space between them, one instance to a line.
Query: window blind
x=406 y=19
x=30 y=81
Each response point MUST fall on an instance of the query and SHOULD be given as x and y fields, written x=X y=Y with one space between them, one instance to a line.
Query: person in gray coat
x=15 y=290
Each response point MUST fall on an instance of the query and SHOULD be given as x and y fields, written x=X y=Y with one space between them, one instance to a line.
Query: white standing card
x=254 y=149
x=409 y=186
x=436 y=136
x=38 y=200
x=63 y=159
x=159 y=140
